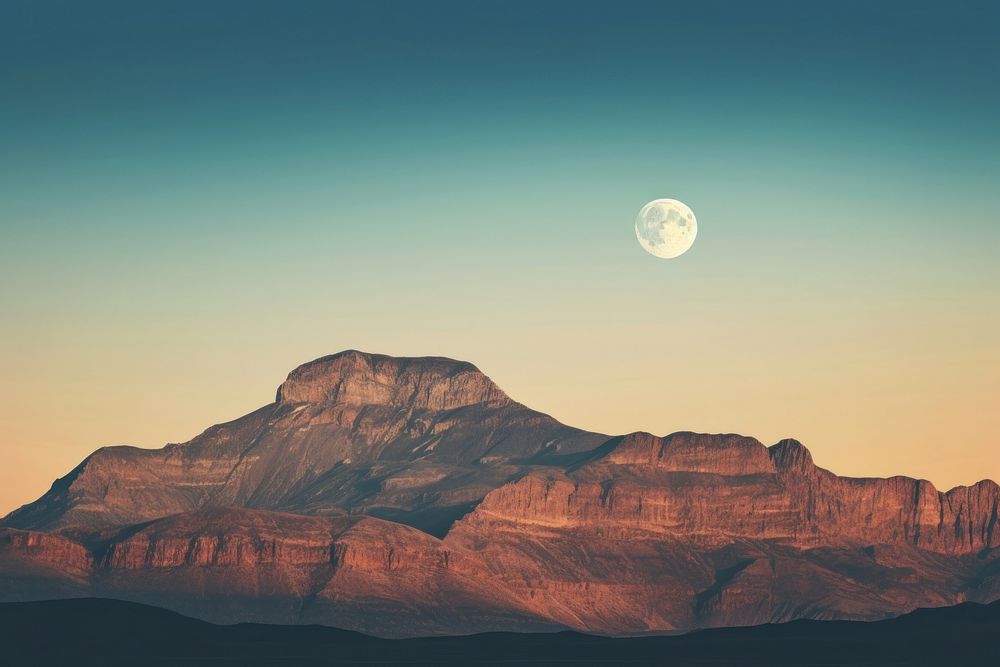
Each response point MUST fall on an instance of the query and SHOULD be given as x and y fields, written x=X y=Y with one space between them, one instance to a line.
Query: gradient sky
x=196 y=197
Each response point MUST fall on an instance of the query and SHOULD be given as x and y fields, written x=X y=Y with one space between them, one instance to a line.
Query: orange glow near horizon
x=868 y=398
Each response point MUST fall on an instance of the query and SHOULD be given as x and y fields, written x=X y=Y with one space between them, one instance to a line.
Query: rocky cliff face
x=708 y=489
x=357 y=379
x=50 y=549
x=412 y=496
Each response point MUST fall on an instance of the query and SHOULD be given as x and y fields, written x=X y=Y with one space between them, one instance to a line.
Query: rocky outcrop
x=730 y=455
x=69 y=556
x=411 y=496
x=963 y=520
x=359 y=379
x=713 y=489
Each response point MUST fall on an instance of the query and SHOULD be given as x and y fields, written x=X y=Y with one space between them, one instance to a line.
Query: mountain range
x=405 y=497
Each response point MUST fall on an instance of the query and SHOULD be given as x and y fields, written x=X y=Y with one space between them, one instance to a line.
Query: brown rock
x=411 y=496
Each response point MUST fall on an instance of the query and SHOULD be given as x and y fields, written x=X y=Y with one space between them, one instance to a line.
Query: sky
x=196 y=197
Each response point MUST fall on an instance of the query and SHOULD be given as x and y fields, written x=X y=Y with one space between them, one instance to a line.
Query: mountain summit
x=417 y=383
x=406 y=496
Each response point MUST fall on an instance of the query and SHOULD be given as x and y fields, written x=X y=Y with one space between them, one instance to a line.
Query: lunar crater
x=666 y=228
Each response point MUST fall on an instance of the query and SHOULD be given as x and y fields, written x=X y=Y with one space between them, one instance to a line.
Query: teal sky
x=197 y=196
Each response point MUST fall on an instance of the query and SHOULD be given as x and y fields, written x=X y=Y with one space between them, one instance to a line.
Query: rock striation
x=419 y=439
x=411 y=496
x=358 y=379
x=704 y=488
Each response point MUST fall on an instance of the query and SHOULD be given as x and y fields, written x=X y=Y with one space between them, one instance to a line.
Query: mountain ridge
x=409 y=496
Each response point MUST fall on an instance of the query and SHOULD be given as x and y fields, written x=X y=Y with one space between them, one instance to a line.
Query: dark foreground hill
x=98 y=631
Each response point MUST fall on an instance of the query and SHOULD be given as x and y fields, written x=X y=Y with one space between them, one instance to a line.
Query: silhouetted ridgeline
x=97 y=631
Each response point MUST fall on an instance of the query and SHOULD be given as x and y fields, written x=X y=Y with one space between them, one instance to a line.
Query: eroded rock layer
x=412 y=496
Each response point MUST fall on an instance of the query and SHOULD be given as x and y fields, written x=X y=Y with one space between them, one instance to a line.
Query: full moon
x=666 y=228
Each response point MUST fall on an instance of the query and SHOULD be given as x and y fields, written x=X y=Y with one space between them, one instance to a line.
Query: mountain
x=107 y=632
x=425 y=437
x=411 y=496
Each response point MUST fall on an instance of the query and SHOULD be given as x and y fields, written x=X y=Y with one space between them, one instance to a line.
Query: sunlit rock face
x=358 y=379
x=411 y=496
